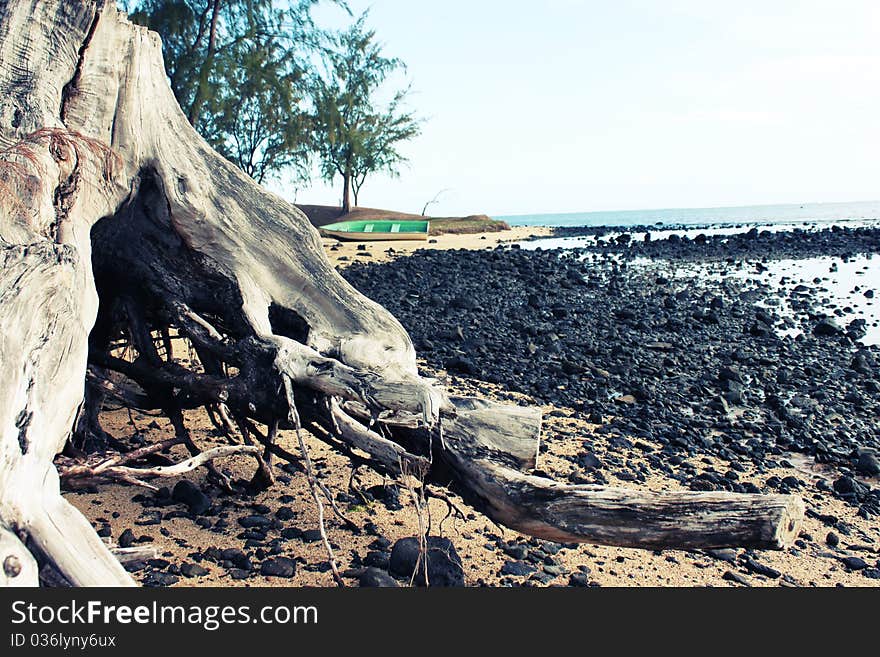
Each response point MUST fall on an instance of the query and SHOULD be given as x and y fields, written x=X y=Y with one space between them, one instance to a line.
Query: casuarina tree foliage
x=355 y=133
x=238 y=68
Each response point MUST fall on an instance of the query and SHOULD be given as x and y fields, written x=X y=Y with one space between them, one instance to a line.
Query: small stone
x=186 y=492
x=377 y=559
x=311 y=536
x=291 y=532
x=149 y=518
x=543 y=577
x=578 y=579
x=375 y=578
x=725 y=554
x=254 y=521
x=192 y=570
x=848 y=486
x=731 y=576
x=126 y=538
x=213 y=554
x=868 y=463
x=854 y=563
x=827 y=328
x=278 y=567
x=517 y=568
x=380 y=543
x=516 y=551
x=832 y=539
x=155 y=579
x=760 y=569
x=443 y=563
x=285 y=513
x=237 y=557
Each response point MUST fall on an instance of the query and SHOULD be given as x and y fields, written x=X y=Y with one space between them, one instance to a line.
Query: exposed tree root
x=314 y=486
x=112 y=469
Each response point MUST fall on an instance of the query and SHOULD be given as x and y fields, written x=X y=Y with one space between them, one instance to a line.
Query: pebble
x=736 y=577
x=285 y=513
x=192 y=570
x=854 y=563
x=311 y=536
x=760 y=569
x=444 y=566
x=516 y=551
x=155 y=579
x=254 y=521
x=149 y=518
x=376 y=578
x=724 y=554
x=578 y=579
x=186 y=492
x=126 y=538
x=278 y=567
x=377 y=559
x=517 y=568
x=237 y=557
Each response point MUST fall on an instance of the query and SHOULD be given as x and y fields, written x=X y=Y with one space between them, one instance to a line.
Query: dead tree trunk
x=117 y=219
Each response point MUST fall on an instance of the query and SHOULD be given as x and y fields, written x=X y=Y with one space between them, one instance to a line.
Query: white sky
x=567 y=105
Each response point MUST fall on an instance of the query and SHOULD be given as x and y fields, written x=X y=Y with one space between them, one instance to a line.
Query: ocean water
x=818 y=213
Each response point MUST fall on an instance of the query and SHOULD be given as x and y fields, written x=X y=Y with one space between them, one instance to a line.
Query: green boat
x=361 y=231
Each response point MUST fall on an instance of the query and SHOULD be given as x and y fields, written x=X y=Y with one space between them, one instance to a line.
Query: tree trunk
x=195 y=110
x=346 y=192
x=106 y=191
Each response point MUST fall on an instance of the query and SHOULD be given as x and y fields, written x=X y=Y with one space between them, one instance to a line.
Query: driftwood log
x=118 y=224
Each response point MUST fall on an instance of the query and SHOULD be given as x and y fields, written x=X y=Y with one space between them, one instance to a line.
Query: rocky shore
x=695 y=363
x=669 y=374
x=840 y=241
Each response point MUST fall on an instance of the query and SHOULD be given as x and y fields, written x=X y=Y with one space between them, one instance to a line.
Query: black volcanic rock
x=188 y=493
x=689 y=354
x=443 y=563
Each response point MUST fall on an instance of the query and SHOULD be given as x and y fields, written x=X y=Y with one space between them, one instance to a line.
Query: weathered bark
x=490 y=448
x=169 y=235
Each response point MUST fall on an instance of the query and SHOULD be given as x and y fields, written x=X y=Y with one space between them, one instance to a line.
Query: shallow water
x=839 y=292
x=837 y=285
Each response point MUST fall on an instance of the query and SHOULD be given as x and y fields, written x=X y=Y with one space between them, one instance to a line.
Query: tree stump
x=117 y=219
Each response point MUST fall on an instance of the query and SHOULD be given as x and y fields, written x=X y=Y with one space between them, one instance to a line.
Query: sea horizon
x=724 y=215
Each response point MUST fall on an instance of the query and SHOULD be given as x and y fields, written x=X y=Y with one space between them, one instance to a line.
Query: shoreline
x=345 y=253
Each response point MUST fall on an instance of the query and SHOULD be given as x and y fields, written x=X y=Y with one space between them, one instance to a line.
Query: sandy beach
x=343 y=253
x=229 y=545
